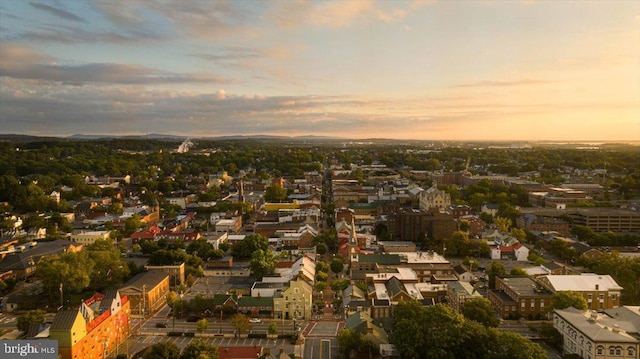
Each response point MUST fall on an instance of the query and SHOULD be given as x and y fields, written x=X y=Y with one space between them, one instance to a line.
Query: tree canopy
x=480 y=310
x=250 y=244
x=439 y=332
x=263 y=263
x=566 y=299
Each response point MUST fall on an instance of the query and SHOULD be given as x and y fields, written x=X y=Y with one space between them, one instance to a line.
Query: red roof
x=506 y=249
x=239 y=352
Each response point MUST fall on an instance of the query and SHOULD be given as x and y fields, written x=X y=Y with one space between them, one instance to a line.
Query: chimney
x=616 y=328
x=597 y=286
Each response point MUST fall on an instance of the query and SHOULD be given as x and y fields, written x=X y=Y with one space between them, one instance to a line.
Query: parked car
x=161 y=325
x=255 y=320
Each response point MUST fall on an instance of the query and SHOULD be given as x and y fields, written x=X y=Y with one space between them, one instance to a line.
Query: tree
x=339 y=285
x=321 y=276
x=250 y=244
x=337 y=265
x=496 y=269
x=132 y=224
x=70 y=270
x=518 y=234
x=272 y=328
x=321 y=248
x=163 y=350
x=458 y=244
x=263 y=263
x=198 y=349
x=503 y=224
x=348 y=340
x=241 y=322
x=566 y=299
x=25 y=320
x=511 y=345
x=109 y=271
x=463 y=225
x=275 y=193
x=480 y=310
x=517 y=271
x=202 y=325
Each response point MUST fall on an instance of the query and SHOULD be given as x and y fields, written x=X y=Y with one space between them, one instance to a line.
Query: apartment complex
x=601 y=291
x=596 y=336
x=93 y=330
x=520 y=297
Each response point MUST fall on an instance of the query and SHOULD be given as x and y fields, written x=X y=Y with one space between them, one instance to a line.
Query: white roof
x=583 y=282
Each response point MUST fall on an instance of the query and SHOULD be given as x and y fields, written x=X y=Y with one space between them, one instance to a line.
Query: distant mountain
x=151 y=136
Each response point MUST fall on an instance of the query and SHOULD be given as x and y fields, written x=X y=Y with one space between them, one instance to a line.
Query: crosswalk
x=8 y=320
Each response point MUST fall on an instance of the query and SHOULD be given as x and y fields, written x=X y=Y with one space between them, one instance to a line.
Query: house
x=490 y=208
x=593 y=336
x=355 y=300
x=463 y=273
x=459 y=292
x=362 y=323
x=93 y=330
x=520 y=297
x=601 y=291
x=89 y=237
x=516 y=251
x=256 y=306
x=295 y=301
x=583 y=249
x=147 y=292
x=22 y=263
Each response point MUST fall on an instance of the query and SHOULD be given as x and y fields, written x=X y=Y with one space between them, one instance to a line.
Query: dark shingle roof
x=149 y=279
x=388 y=259
x=64 y=319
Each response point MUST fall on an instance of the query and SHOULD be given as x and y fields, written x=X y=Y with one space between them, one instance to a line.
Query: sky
x=432 y=70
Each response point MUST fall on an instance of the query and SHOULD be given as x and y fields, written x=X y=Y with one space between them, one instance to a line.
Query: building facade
x=594 y=336
x=520 y=297
x=95 y=329
x=601 y=291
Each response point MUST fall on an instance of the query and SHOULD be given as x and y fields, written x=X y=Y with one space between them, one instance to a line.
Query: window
x=599 y=350
x=618 y=351
x=611 y=350
x=630 y=352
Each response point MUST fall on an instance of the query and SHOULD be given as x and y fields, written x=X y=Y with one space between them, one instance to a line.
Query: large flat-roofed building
x=147 y=292
x=598 y=219
x=595 y=336
x=176 y=272
x=412 y=225
x=601 y=291
x=520 y=297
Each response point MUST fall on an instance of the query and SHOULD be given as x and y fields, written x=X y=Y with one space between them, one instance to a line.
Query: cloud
x=21 y=62
x=31 y=106
x=71 y=35
x=504 y=83
x=200 y=19
x=330 y=14
x=63 y=14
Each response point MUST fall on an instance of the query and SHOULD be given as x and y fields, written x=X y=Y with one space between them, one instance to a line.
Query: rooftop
x=596 y=327
x=583 y=282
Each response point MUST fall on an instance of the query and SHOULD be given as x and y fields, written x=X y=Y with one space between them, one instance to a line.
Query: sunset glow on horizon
x=432 y=70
